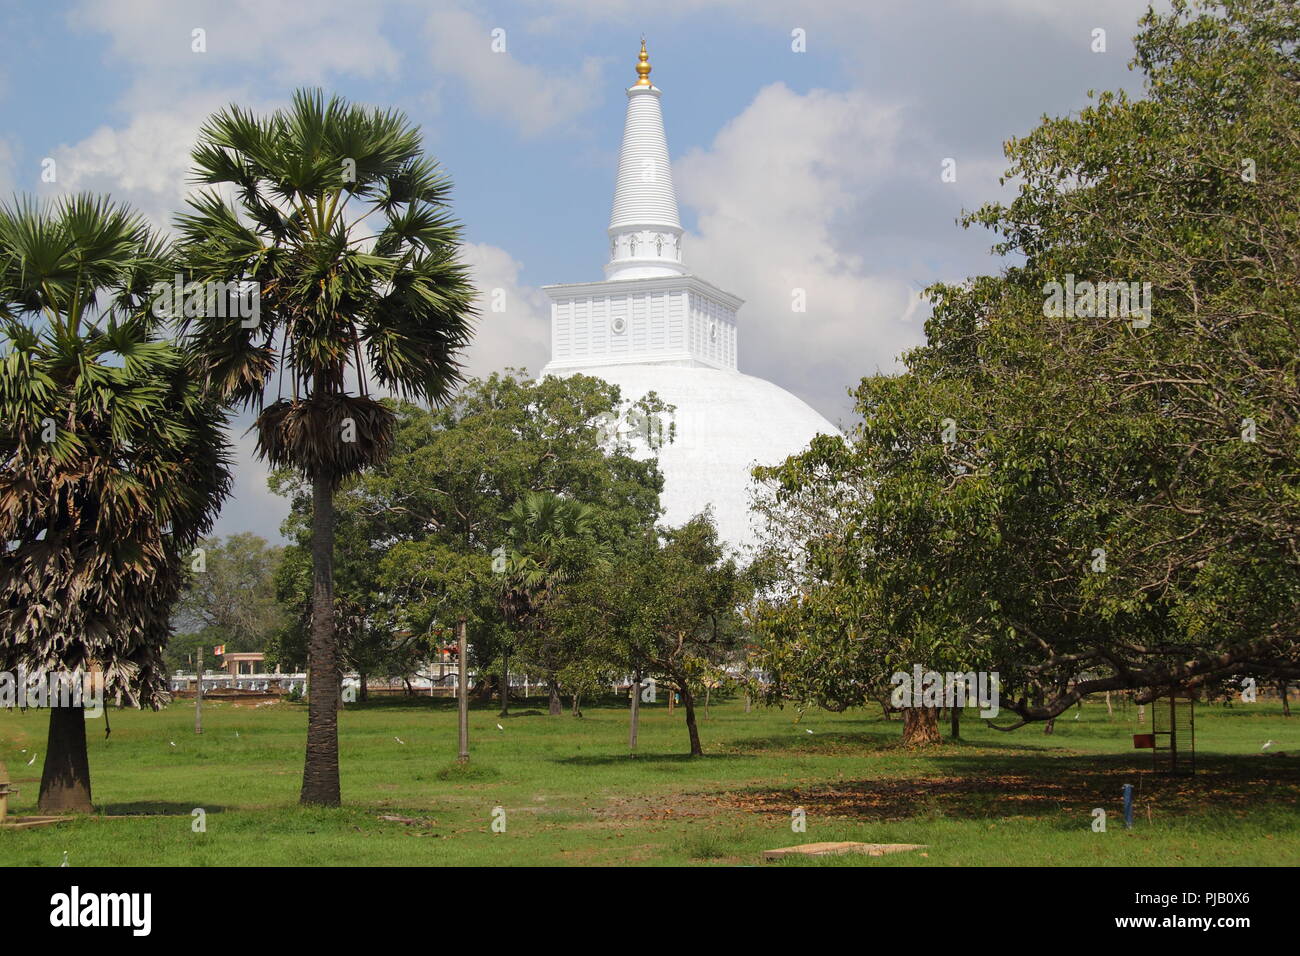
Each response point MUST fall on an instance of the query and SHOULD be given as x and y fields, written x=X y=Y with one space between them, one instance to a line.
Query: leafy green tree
x=230 y=598
x=550 y=539
x=440 y=505
x=372 y=637
x=415 y=536
x=1101 y=493
x=667 y=611
x=343 y=223
x=114 y=463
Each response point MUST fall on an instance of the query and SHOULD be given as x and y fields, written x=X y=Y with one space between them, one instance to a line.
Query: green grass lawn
x=571 y=794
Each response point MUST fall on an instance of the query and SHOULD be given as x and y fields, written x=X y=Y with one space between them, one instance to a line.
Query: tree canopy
x=416 y=535
x=115 y=462
x=1099 y=496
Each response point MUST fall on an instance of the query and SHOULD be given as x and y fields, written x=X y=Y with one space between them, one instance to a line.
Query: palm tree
x=114 y=464
x=342 y=222
x=550 y=538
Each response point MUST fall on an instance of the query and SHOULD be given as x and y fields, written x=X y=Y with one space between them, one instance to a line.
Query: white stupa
x=651 y=326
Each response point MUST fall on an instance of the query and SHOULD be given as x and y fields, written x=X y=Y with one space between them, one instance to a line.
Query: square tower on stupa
x=649 y=308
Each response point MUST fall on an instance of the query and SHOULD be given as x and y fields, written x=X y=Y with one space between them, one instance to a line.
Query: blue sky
x=817 y=169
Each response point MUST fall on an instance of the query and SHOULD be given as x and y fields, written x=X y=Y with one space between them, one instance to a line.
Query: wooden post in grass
x=462 y=691
x=198 y=690
x=636 y=710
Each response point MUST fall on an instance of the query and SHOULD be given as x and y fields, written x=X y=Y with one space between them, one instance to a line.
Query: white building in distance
x=652 y=326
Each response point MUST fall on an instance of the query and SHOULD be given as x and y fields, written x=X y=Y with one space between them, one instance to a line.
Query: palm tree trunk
x=65 y=780
x=320 y=775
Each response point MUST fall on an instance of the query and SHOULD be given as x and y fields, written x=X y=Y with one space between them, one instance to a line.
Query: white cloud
x=531 y=99
x=145 y=163
x=519 y=335
x=1070 y=15
x=831 y=13
x=293 y=43
x=769 y=193
x=251 y=505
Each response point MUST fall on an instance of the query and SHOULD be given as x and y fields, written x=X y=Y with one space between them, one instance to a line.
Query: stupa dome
x=725 y=422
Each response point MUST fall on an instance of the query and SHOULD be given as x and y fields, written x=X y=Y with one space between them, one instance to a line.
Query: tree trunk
x=954 y=728
x=1286 y=703
x=688 y=702
x=65 y=780
x=1050 y=726
x=635 y=717
x=365 y=688
x=920 y=726
x=576 y=699
x=557 y=706
x=320 y=775
x=505 y=684
x=485 y=689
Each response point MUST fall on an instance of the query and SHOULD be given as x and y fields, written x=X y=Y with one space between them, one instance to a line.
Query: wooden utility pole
x=462 y=690
x=4 y=792
x=198 y=690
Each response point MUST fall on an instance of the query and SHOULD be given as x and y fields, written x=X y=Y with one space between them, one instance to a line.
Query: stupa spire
x=643 y=66
x=645 y=234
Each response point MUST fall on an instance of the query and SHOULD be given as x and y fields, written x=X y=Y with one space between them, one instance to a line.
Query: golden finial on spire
x=643 y=66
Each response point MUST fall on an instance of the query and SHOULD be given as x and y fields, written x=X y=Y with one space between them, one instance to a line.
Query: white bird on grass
x=400 y=741
x=172 y=742
x=807 y=731
x=1267 y=744
x=499 y=727
x=33 y=760
x=65 y=859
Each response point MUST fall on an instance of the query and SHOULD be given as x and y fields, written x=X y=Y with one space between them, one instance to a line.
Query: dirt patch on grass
x=656 y=809
x=1240 y=788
